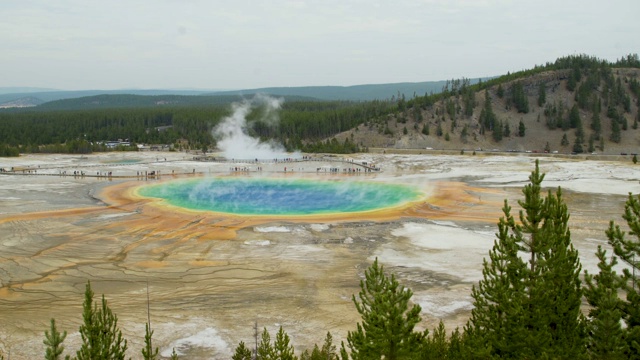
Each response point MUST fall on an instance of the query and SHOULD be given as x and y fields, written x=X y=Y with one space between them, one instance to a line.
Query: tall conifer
x=53 y=340
x=605 y=333
x=148 y=352
x=265 y=348
x=101 y=337
x=628 y=250
x=242 y=352
x=528 y=303
x=387 y=324
x=282 y=348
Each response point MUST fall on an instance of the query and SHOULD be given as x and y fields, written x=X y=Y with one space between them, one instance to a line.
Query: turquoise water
x=249 y=196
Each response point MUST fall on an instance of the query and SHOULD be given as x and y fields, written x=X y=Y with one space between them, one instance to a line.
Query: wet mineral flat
x=211 y=276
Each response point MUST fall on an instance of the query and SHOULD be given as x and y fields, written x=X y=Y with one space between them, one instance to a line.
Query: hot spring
x=264 y=196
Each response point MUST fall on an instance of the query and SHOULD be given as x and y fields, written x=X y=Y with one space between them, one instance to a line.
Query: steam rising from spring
x=233 y=139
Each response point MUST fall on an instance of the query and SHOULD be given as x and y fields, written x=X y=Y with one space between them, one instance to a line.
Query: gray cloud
x=77 y=44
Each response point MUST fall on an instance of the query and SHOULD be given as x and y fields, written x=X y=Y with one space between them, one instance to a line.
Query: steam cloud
x=234 y=141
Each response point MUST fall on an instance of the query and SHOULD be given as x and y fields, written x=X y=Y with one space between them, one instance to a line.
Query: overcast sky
x=211 y=44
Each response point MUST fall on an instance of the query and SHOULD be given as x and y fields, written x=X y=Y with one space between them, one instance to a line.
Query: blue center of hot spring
x=249 y=196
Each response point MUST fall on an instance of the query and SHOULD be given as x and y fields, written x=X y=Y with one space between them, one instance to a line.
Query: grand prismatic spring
x=212 y=273
x=264 y=196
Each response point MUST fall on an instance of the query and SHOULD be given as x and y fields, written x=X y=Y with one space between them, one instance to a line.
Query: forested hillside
x=301 y=124
x=577 y=104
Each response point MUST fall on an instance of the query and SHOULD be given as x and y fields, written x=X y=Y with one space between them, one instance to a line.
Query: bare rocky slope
x=372 y=134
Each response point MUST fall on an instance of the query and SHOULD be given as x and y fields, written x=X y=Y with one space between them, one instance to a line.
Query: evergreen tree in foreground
x=438 y=347
x=281 y=349
x=53 y=340
x=101 y=338
x=387 y=324
x=148 y=353
x=327 y=352
x=265 y=348
x=282 y=346
x=242 y=352
x=606 y=336
x=528 y=306
x=628 y=250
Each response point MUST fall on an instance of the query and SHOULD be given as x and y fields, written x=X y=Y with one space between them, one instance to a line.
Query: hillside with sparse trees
x=577 y=104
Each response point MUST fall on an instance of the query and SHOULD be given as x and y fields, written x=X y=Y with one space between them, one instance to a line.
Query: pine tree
x=574 y=117
x=628 y=250
x=89 y=330
x=529 y=309
x=425 y=129
x=469 y=99
x=101 y=338
x=439 y=131
x=456 y=349
x=327 y=352
x=495 y=325
x=578 y=145
x=387 y=322
x=53 y=340
x=436 y=346
x=519 y=97
x=487 y=116
x=242 y=352
x=605 y=334
x=591 y=143
x=542 y=94
x=148 y=353
x=559 y=281
x=615 y=131
x=281 y=347
x=500 y=91
x=497 y=131
x=265 y=348
x=572 y=82
x=521 y=129
x=464 y=133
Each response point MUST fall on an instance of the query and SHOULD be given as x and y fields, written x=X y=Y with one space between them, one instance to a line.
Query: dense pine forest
x=575 y=104
x=302 y=126
x=528 y=305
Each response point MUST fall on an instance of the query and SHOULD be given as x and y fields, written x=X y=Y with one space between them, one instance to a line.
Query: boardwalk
x=195 y=166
